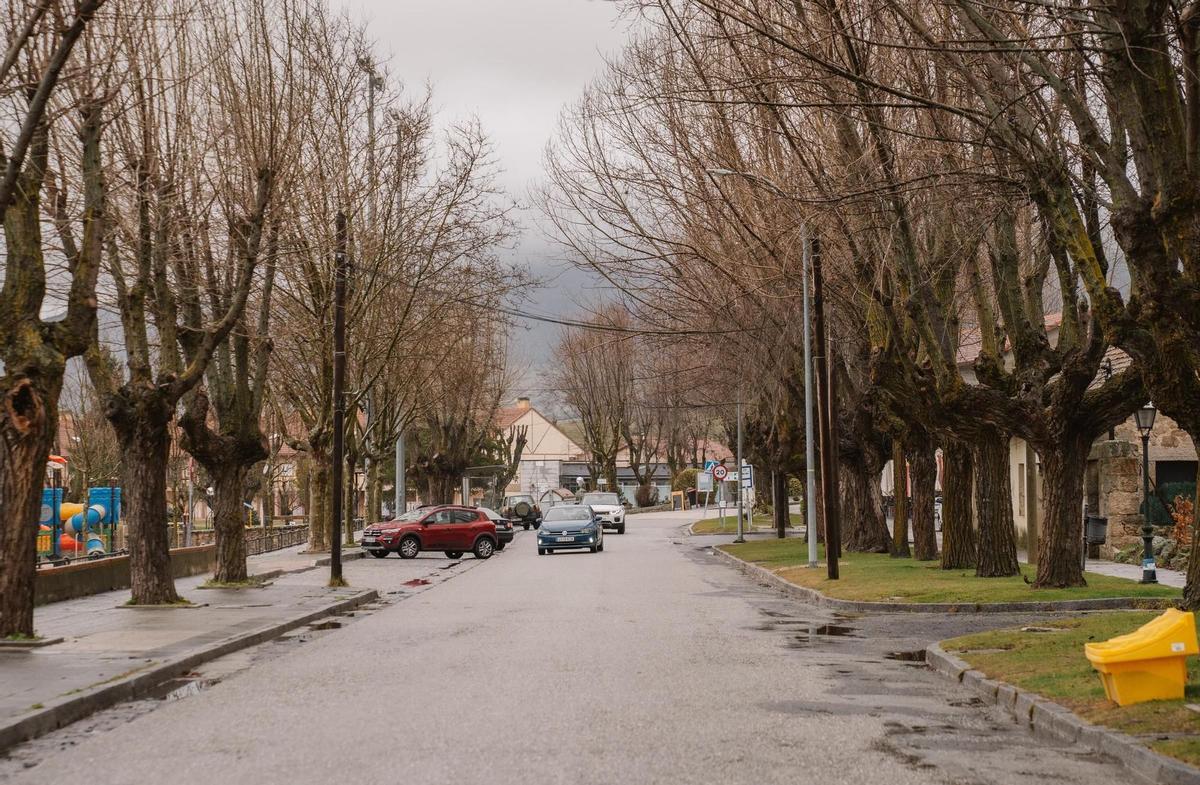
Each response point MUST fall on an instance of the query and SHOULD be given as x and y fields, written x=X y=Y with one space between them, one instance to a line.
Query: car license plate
x=368 y=540
x=565 y=539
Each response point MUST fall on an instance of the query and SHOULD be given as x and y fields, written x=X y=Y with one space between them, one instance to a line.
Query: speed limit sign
x=720 y=472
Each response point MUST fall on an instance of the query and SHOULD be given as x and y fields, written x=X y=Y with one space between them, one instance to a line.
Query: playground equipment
x=72 y=529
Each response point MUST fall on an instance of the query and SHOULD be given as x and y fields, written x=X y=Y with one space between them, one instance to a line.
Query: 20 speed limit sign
x=720 y=472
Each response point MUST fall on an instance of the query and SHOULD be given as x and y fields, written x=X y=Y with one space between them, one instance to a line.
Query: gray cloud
x=514 y=64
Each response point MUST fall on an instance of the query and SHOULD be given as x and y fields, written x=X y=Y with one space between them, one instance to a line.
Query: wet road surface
x=652 y=662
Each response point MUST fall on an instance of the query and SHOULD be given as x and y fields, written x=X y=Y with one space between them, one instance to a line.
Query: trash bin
x=1149 y=663
x=1095 y=530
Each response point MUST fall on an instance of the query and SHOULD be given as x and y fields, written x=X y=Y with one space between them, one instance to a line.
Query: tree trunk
x=303 y=486
x=351 y=499
x=996 y=556
x=779 y=503
x=374 y=492
x=958 y=532
x=268 y=496
x=864 y=526
x=1191 y=590
x=1060 y=546
x=229 y=522
x=923 y=463
x=441 y=489
x=318 y=517
x=900 y=495
x=28 y=422
x=145 y=442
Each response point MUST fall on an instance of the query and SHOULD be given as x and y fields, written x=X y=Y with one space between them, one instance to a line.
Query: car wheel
x=500 y=546
x=526 y=525
x=600 y=547
x=621 y=529
x=484 y=548
x=409 y=547
x=379 y=554
x=541 y=551
x=592 y=549
x=454 y=554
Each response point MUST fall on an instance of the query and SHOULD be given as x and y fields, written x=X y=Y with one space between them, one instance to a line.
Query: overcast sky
x=514 y=64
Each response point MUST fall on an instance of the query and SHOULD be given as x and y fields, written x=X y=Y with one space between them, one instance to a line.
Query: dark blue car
x=570 y=526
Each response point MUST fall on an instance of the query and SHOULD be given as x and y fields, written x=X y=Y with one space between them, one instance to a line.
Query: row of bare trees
x=632 y=397
x=172 y=174
x=1004 y=195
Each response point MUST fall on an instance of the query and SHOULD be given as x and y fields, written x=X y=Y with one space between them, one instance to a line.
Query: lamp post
x=1144 y=417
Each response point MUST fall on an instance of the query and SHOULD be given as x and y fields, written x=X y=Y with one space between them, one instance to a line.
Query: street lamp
x=1144 y=417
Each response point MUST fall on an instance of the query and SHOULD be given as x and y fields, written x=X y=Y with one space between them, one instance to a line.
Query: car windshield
x=411 y=515
x=518 y=499
x=605 y=499
x=568 y=514
x=491 y=514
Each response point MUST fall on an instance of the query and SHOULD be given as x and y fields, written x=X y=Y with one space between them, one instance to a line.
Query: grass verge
x=876 y=577
x=1053 y=665
x=761 y=521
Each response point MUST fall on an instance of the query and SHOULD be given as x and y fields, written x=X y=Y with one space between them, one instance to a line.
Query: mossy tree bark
x=923 y=463
x=900 y=480
x=996 y=555
x=864 y=528
x=958 y=532
x=140 y=420
x=34 y=353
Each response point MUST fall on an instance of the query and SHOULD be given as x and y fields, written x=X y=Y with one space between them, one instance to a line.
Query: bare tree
x=37 y=107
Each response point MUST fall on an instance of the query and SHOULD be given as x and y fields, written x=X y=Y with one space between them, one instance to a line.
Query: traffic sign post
x=720 y=473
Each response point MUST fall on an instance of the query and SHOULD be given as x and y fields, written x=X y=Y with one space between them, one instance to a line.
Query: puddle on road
x=178 y=689
x=325 y=624
x=416 y=582
x=805 y=639
x=906 y=656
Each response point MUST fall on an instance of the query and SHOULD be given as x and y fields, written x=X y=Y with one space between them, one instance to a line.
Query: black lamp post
x=1145 y=423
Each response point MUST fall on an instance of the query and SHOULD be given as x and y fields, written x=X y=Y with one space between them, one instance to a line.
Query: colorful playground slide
x=81 y=529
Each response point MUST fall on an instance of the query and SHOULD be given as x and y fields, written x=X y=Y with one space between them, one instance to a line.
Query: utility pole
x=341 y=272
x=741 y=491
x=810 y=457
x=825 y=417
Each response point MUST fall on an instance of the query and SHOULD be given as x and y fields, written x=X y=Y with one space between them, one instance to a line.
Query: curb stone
x=72 y=708
x=1053 y=722
x=815 y=597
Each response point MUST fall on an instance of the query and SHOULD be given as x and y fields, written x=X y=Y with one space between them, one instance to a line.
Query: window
x=441 y=516
x=465 y=516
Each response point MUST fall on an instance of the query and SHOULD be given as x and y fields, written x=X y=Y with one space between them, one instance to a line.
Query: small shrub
x=685 y=480
x=646 y=496
x=795 y=488
x=1183 y=513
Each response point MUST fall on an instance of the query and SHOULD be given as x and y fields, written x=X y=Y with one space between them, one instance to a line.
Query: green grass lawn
x=880 y=578
x=1053 y=665
x=760 y=521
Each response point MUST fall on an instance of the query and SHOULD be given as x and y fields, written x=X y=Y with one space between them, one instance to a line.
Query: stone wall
x=83 y=579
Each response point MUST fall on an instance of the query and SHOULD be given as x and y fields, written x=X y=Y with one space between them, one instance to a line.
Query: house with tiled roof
x=547 y=447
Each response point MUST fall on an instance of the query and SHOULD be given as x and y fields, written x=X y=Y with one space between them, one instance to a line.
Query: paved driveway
x=648 y=663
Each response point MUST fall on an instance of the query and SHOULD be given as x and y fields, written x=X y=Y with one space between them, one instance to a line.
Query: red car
x=452 y=530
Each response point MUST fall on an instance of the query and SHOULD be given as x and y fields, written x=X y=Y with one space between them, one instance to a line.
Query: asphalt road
x=649 y=663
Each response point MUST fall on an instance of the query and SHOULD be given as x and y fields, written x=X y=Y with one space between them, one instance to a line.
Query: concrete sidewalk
x=111 y=652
